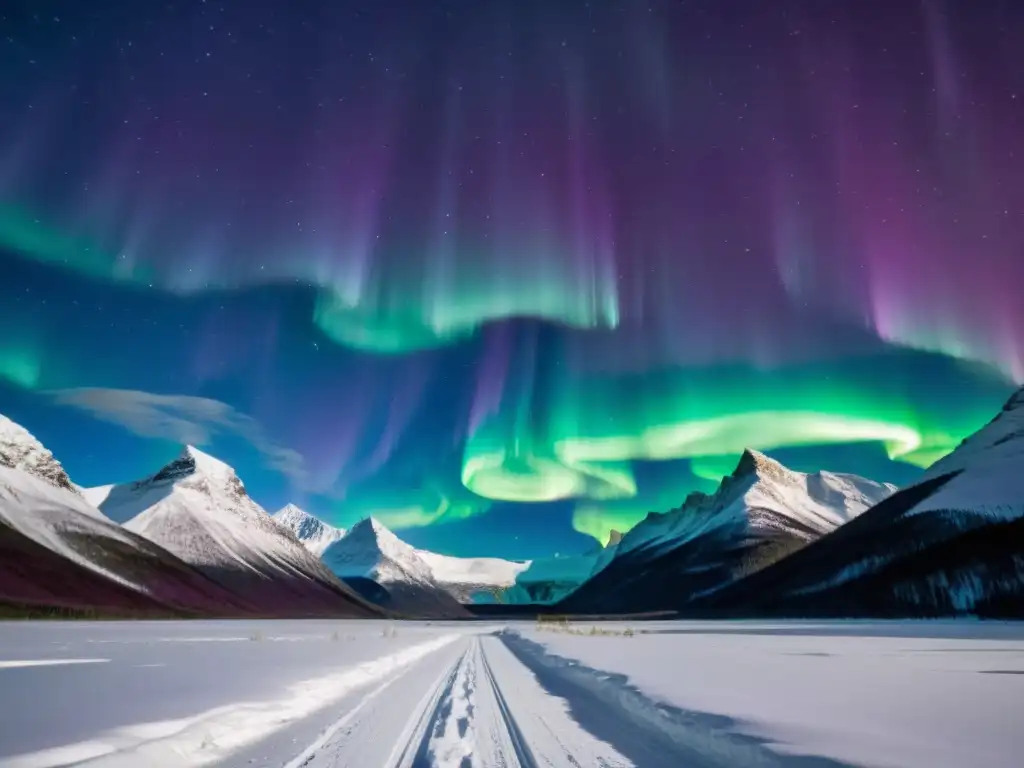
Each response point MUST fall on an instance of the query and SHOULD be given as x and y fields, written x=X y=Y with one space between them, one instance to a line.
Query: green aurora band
x=586 y=446
x=438 y=302
x=580 y=439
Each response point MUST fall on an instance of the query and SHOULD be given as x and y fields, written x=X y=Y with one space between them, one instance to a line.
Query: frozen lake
x=368 y=694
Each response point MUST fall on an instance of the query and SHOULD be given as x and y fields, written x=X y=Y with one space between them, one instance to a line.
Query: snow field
x=911 y=701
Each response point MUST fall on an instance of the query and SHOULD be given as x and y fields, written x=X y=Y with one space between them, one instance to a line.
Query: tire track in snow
x=409 y=750
x=449 y=741
x=522 y=751
x=542 y=727
x=496 y=715
x=478 y=708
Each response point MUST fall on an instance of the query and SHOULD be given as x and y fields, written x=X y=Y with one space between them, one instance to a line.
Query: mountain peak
x=314 y=533
x=291 y=511
x=999 y=442
x=765 y=496
x=1016 y=401
x=371 y=526
x=755 y=462
x=369 y=547
x=372 y=534
x=206 y=463
x=297 y=519
x=192 y=462
x=19 y=449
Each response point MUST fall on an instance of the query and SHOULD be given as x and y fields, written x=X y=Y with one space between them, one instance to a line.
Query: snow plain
x=416 y=694
x=927 y=694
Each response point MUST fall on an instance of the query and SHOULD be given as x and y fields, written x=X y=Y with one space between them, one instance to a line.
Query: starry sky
x=508 y=274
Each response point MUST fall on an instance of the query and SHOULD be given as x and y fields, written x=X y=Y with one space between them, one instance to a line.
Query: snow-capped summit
x=371 y=550
x=387 y=570
x=192 y=469
x=193 y=461
x=314 y=533
x=754 y=462
x=19 y=449
x=766 y=499
x=197 y=507
x=195 y=468
x=760 y=513
x=59 y=550
x=951 y=543
x=989 y=468
x=371 y=546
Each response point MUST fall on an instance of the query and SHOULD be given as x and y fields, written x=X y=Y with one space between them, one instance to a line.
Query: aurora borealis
x=498 y=272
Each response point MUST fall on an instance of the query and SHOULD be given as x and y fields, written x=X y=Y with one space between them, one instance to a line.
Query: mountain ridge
x=949 y=544
x=58 y=550
x=20 y=449
x=760 y=513
x=197 y=507
x=387 y=570
x=314 y=533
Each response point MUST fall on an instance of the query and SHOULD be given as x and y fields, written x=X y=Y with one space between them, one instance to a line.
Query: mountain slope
x=58 y=550
x=988 y=468
x=759 y=514
x=470 y=579
x=388 y=571
x=314 y=533
x=19 y=449
x=950 y=544
x=197 y=508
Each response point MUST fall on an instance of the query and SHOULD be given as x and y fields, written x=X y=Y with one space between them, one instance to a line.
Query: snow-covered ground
x=381 y=694
x=897 y=694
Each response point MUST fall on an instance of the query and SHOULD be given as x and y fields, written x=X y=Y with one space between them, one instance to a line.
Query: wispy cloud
x=182 y=418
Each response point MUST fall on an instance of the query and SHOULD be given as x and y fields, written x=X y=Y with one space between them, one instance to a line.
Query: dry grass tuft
x=563 y=625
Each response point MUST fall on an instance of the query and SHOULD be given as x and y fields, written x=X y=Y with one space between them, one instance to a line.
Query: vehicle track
x=485 y=710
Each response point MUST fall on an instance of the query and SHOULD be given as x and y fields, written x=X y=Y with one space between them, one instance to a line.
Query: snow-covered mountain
x=314 y=533
x=988 y=468
x=759 y=514
x=472 y=579
x=19 y=449
x=950 y=544
x=370 y=550
x=197 y=508
x=58 y=550
x=385 y=569
x=767 y=498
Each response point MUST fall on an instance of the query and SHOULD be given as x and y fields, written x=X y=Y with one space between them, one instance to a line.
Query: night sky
x=508 y=273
